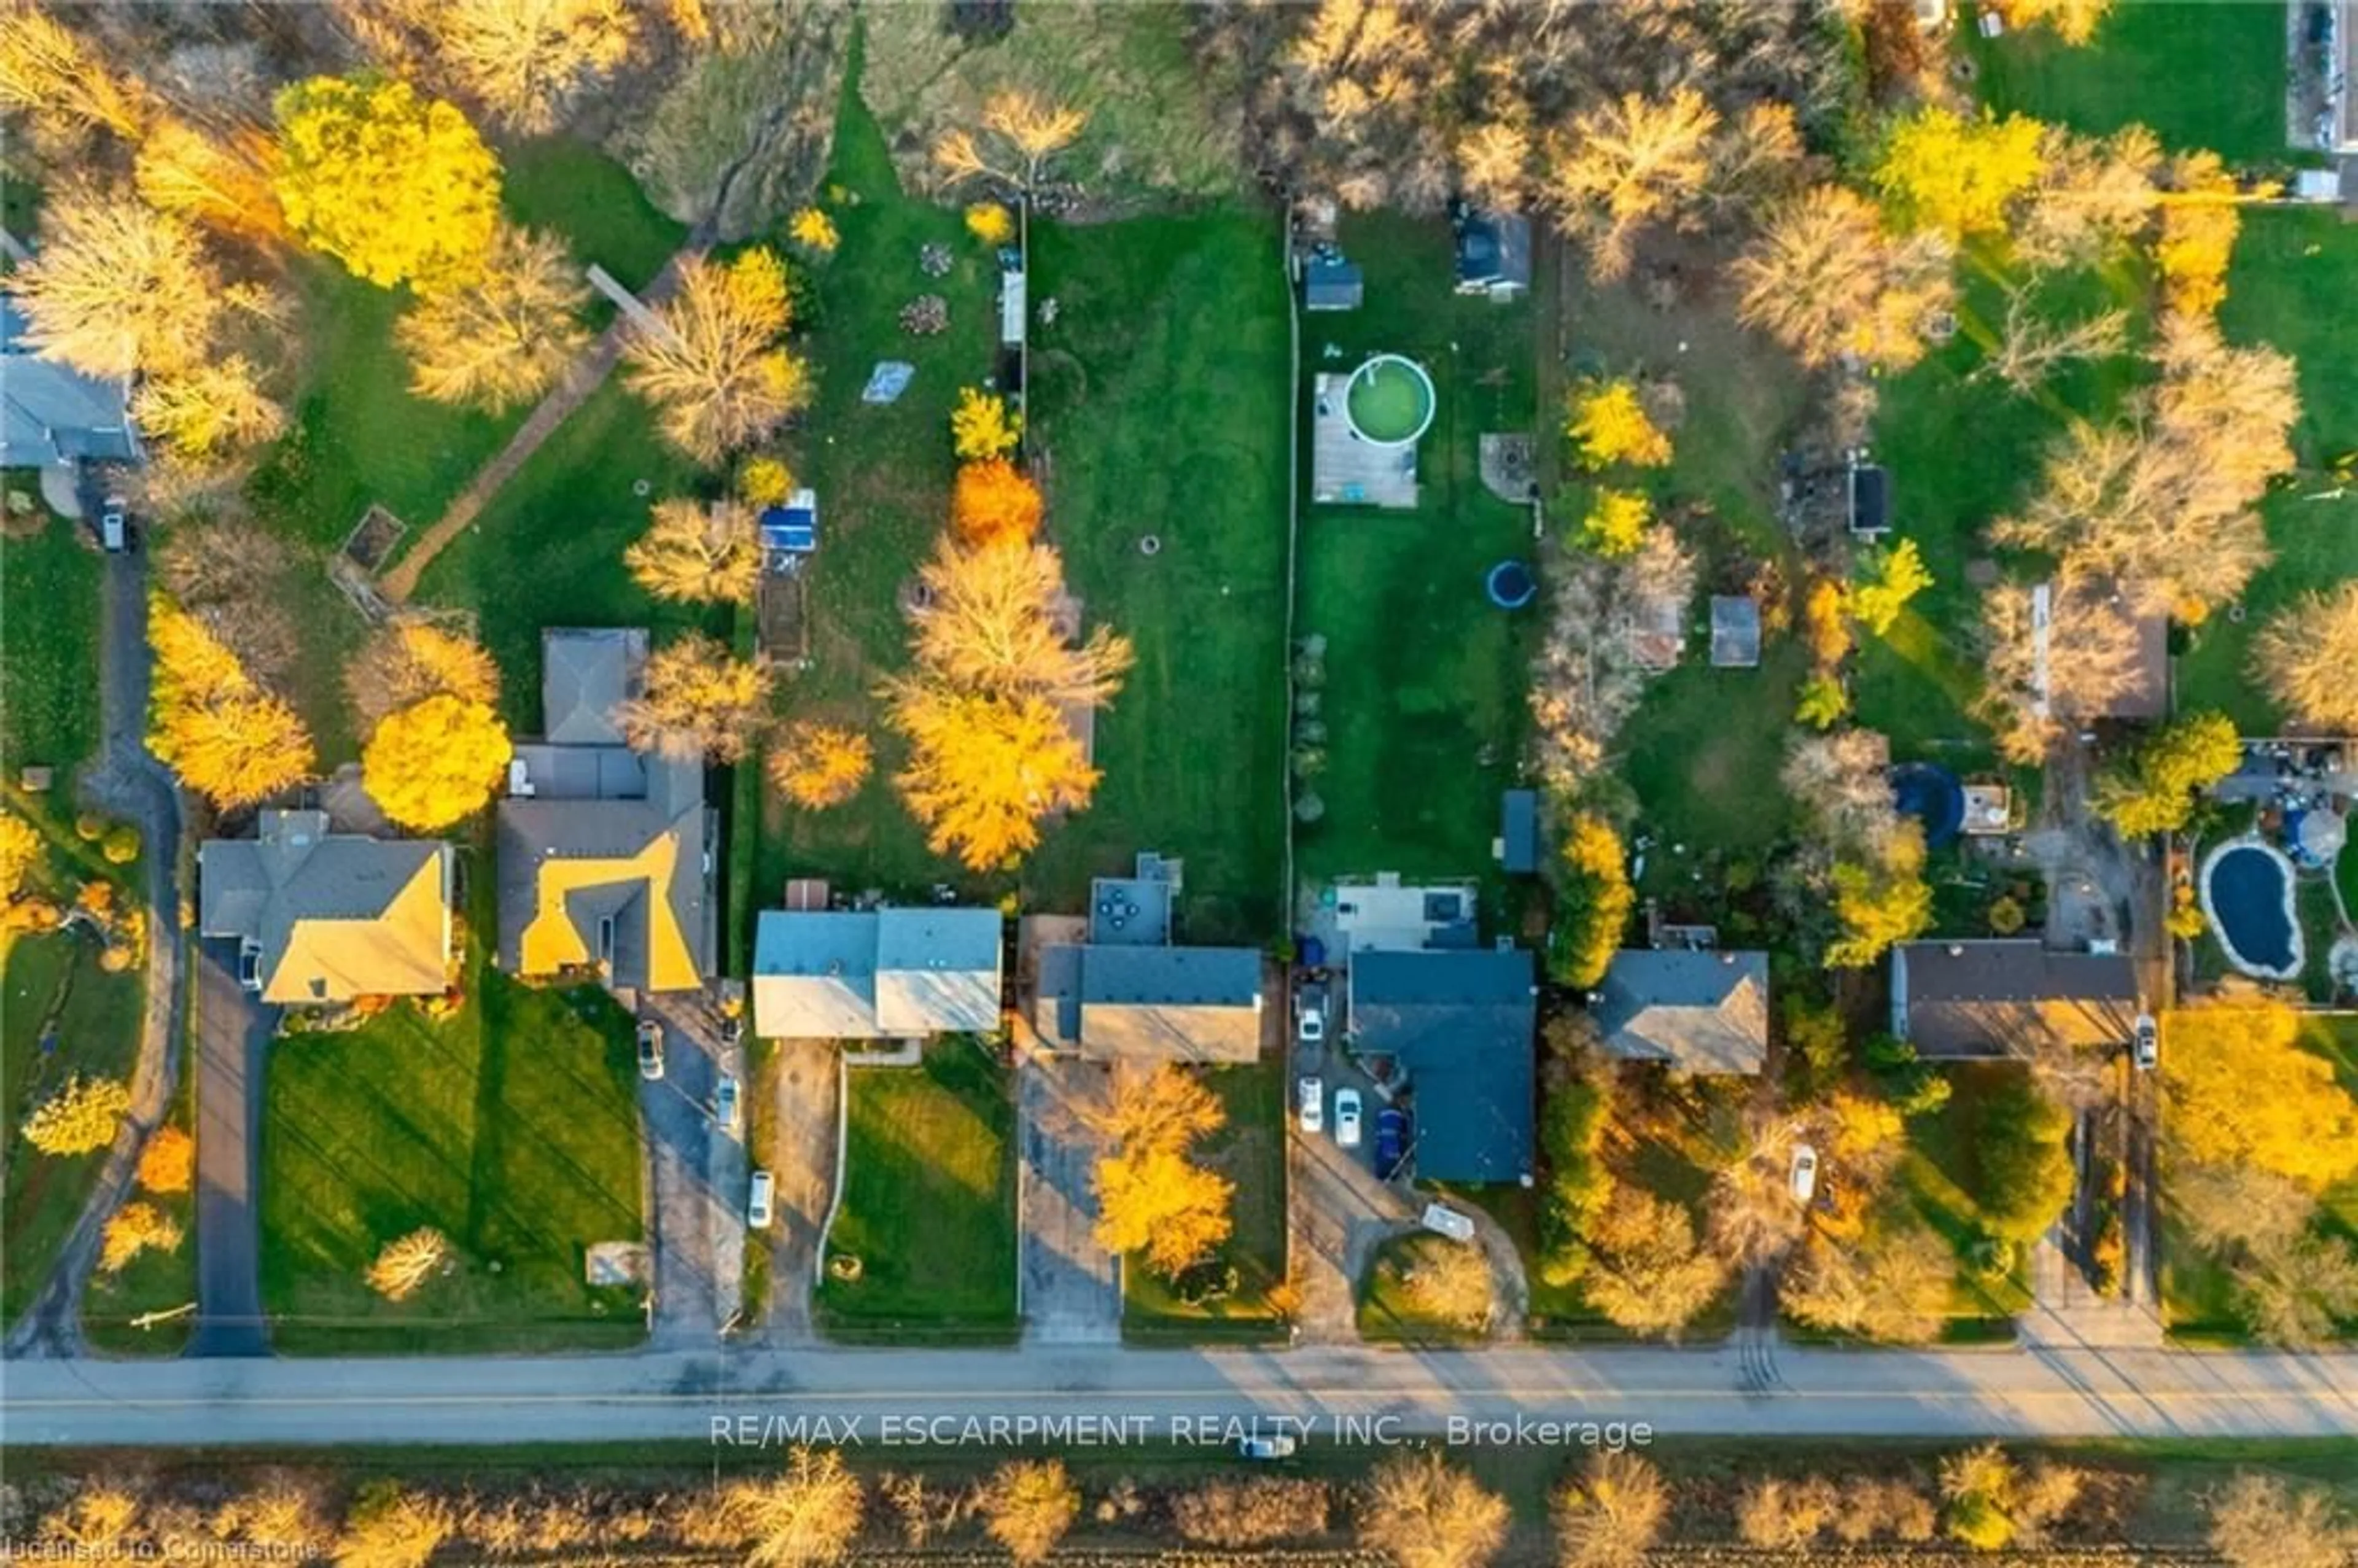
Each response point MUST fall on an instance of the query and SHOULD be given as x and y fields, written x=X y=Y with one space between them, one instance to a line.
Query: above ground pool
x=1933 y=796
x=1389 y=401
x=2247 y=895
x=1510 y=584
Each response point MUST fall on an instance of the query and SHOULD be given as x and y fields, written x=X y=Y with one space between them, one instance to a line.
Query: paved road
x=653 y=1396
x=233 y=1032
x=1071 y=1287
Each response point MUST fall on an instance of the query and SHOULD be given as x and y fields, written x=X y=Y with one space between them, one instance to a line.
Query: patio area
x=1346 y=471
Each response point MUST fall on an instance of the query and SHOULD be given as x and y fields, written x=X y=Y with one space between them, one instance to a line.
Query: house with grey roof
x=606 y=856
x=876 y=974
x=2010 y=996
x=1517 y=850
x=1131 y=993
x=1456 y=1027
x=51 y=414
x=322 y=917
x=1699 y=1011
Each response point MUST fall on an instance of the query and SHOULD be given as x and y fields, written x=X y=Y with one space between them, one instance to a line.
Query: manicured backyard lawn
x=1141 y=423
x=2294 y=273
x=2204 y=74
x=512 y=1127
x=1941 y=1174
x=1424 y=701
x=49 y=641
x=1251 y=1151
x=1704 y=749
x=928 y=1202
x=51 y=990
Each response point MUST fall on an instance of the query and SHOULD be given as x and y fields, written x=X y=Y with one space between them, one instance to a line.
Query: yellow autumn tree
x=713 y=364
x=205 y=409
x=814 y=231
x=1154 y=1196
x=695 y=554
x=698 y=702
x=764 y=481
x=2307 y=656
x=1608 y=423
x=410 y=660
x=227 y=738
x=504 y=337
x=818 y=765
x=993 y=500
x=993 y=626
x=1883 y=589
x=2075 y=21
x=221 y=178
x=1626 y=163
x=134 y=1228
x=21 y=848
x=2199 y=223
x=1617 y=523
x=1943 y=170
x=983 y=770
x=990 y=222
x=436 y=762
x=80 y=1116
x=168 y=1164
x=48 y=72
x=2245 y=1092
x=117 y=287
x=982 y=427
x=397 y=186
x=529 y=62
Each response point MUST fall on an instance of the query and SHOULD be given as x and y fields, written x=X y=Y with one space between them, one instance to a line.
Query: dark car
x=1392 y=1142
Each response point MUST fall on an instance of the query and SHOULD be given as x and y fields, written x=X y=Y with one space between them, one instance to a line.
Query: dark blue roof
x=794 y=529
x=1519 y=831
x=1460 y=1025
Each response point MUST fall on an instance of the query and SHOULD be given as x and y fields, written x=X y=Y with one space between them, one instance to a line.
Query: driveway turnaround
x=233 y=1032
x=1358 y=1395
x=1070 y=1288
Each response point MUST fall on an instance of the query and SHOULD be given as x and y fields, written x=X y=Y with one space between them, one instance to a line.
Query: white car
x=1277 y=1445
x=1804 y=1176
x=1312 y=1095
x=1443 y=1220
x=758 y=1201
x=1312 y=1024
x=726 y=1111
x=1346 y=1118
x=2146 y=1052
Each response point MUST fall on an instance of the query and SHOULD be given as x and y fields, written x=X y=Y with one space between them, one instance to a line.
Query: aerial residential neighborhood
x=1347 y=781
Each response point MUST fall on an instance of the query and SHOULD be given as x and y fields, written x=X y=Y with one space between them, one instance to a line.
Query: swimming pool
x=2247 y=895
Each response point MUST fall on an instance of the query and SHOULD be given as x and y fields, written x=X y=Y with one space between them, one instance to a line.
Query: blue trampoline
x=1512 y=585
x=1933 y=796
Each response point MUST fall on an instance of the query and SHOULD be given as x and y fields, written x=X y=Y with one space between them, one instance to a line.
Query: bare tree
x=1825 y=279
x=2307 y=656
x=1628 y=162
x=698 y=702
x=1424 y=1512
x=2258 y=1520
x=806 y=1515
x=2045 y=681
x=1612 y=1513
x=2030 y=347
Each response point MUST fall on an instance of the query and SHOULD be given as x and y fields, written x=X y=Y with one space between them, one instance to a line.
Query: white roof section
x=876 y=974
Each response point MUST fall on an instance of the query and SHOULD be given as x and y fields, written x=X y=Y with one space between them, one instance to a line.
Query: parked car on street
x=1310 y=1094
x=649 y=1049
x=2146 y=1052
x=1802 y=1176
x=1346 y=1118
x=1392 y=1142
x=759 y=1199
x=1277 y=1445
x=726 y=1111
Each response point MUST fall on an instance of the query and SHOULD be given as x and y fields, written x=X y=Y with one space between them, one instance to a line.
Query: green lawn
x=2208 y=74
x=49 y=642
x=154 y=1282
x=512 y=1127
x=60 y=1014
x=1151 y=419
x=1251 y=1151
x=1141 y=423
x=2294 y=273
x=928 y=1202
x=1941 y=1174
x=1703 y=748
x=1423 y=702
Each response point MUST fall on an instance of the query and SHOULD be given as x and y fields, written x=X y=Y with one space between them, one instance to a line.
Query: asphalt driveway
x=1069 y=1287
x=233 y=1034
x=696 y=1225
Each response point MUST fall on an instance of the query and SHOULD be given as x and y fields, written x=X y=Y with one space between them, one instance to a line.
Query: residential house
x=1454 y=1028
x=606 y=856
x=1131 y=993
x=1994 y=999
x=1699 y=1011
x=1494 y=253
x=322 y=917
x=51 y=414
x=876 y=974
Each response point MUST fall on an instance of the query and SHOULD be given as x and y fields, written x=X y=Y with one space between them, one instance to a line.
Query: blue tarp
x=790 y=530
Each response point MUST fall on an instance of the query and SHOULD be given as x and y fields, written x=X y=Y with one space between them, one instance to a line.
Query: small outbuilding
x=789 y=532
x=1870 y=499
x=1331 y=283
x=1518 y=832
x=1494 y=253
x=1734 y=631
